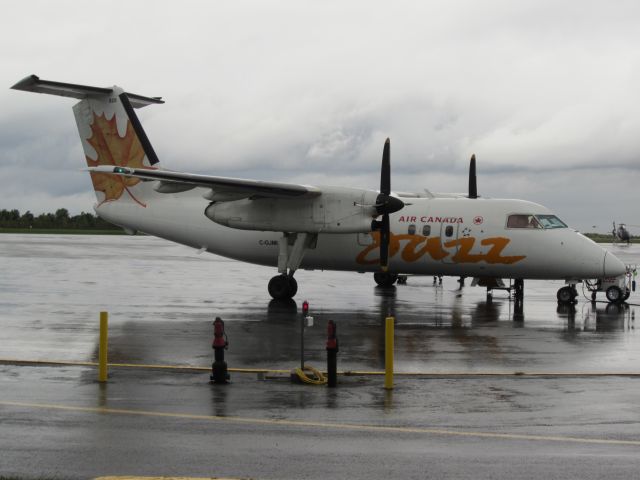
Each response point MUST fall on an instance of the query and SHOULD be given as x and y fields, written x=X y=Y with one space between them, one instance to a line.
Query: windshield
x=550 y=221
x=523 y=221
x=527 y=220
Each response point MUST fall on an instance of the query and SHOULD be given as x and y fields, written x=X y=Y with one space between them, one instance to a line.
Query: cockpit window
x=520 y=220
x=550 y=221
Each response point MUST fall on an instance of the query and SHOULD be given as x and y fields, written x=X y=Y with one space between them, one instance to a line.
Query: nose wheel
x=567 y=294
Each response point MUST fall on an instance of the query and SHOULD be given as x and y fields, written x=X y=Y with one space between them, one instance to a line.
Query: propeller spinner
x=385 y=205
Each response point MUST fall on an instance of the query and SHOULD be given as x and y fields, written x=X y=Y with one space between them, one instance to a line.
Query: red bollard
x=332 y=354
x=219 y=345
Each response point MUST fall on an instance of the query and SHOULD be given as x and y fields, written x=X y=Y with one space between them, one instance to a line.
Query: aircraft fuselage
x=430 y=236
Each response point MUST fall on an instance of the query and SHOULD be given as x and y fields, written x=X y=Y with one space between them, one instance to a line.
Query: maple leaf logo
x=114 y=150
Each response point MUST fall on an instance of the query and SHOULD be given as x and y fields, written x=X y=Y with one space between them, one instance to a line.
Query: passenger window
x=448 y=231
x=411 y=230
x=523 y=221
x=426 y=230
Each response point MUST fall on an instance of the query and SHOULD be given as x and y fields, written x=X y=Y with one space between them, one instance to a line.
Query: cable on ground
x=317 y=377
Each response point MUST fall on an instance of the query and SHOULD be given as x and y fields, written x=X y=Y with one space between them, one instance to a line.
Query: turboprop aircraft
x=292 y=226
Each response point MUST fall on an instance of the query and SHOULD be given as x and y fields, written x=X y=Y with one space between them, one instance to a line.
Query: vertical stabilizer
x=110 y=132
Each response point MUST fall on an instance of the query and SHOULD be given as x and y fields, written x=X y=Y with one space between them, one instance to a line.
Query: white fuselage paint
x=559 y=253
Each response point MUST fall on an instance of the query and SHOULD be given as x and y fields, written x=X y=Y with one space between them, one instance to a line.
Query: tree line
x=59 y=220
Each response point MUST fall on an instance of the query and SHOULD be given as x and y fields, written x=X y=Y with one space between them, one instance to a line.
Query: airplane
x=293 y=226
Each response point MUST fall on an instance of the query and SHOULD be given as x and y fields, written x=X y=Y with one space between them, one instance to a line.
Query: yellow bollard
x=102 y=353
x=388 y=353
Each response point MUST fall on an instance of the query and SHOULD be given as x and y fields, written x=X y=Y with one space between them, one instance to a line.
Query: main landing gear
x=384 y=279
x=292 y=246
x=283 y=287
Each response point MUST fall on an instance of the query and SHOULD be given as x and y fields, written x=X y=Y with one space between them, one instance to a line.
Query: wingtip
x=26 y=82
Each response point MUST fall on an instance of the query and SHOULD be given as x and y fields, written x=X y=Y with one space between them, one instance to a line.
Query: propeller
x=473 y=182
x=385 y=205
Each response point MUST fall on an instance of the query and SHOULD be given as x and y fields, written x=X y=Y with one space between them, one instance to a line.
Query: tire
x=282 y=287
x=614 y=294
x=565 y=295
x=385 y=279
x=626 y=294
x=293 y=287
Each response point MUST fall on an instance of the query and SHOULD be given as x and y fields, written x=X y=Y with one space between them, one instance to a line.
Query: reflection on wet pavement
x=163 y=297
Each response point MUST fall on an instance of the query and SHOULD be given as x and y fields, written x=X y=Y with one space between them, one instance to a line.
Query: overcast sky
x=545 y=93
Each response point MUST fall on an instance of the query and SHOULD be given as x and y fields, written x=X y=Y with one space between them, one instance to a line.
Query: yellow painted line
x=330 y=426
x=63 y=363
x=127 y=477
x=56 y=363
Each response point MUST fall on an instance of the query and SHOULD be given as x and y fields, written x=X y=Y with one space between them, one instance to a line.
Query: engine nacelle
x=336 y=210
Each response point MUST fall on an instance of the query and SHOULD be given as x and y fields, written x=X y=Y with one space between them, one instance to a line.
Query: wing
x=223 y=188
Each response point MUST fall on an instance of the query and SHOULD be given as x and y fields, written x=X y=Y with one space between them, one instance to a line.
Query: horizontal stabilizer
x=33 y=83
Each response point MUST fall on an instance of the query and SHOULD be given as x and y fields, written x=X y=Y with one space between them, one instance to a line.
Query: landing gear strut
x=518 y=289
x=518 y=297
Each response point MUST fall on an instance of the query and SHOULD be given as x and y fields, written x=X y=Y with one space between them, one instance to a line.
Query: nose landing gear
x=567 y=294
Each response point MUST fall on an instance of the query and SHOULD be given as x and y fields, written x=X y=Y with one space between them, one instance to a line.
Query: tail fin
x=109 y=129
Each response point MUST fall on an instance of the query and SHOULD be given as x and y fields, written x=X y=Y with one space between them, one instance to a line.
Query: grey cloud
x=544 y=93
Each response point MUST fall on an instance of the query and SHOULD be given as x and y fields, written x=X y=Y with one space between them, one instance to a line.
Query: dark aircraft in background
x=621 y=234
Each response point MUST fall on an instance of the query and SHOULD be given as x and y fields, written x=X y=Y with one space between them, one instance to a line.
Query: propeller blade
x=473 y=183
x=385 y=204
x=385 y=171
x=384 y=242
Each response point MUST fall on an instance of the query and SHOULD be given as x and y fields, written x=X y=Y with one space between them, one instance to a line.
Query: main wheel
x=283 y=287
x=565 y=295
x=614 y=294
x=385 y=279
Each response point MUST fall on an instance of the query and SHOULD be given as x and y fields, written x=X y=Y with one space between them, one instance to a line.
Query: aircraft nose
x=613 y=266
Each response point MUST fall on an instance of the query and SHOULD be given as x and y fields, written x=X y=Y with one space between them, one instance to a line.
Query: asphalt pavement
x=492 y=391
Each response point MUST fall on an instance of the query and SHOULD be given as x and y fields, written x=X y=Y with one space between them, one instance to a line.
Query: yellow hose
x=317 y=379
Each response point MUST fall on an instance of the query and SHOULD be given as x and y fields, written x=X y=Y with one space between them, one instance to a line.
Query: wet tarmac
x=58 y=422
